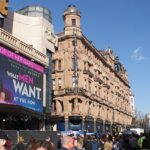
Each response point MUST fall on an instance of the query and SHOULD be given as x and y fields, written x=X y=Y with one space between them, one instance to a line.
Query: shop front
x=99 y=125
x=19 y=118
x=75 y=123
x=108 y=126
x=89 y=124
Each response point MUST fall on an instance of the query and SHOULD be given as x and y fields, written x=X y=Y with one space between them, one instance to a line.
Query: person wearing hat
x=4 y=141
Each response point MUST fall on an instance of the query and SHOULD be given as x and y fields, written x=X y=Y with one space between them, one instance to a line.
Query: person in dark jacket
x=20 y=145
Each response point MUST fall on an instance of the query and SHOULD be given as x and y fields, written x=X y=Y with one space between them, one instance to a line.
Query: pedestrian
x=59 y=142
x=5 y=143
x=49 y=140
x=31 y=144
x=108 y=144
x=140 y=140
x=43 y=145
x=79 y=142
x=67 y=143
x=133 y=142
x=145 y=145
x=20 y=145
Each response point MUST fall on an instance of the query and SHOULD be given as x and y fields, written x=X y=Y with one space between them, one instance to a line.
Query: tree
x=139 y=119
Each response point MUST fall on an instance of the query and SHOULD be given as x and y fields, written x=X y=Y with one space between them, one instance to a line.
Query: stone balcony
x=20 y=47
x=59 y=92
x=105 y=84
x=96 y=79
x=89 y=72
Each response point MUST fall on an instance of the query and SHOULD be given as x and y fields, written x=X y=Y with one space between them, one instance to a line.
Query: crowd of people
x=78 y=142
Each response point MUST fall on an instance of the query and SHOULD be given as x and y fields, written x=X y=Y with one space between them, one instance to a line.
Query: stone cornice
x=20 y=47
x=62 y=36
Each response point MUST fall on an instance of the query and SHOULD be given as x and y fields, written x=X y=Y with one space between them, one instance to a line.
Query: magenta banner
x=20 y=59
x=21 y=81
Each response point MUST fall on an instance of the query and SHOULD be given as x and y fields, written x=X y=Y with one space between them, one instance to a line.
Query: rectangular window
x=89 y=86
x=74 y=43
x=53 y=82
x=59 y=65
x=73 y=63
x=99 y=91
x=96 y=90
x=84 y=65
x=85 y=84
x=73 y=82
x=74 y=22
x=59 y=83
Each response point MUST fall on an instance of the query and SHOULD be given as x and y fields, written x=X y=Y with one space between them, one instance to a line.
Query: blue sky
x=123 y=25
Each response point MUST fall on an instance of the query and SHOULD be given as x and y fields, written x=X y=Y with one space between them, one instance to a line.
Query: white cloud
x=137 y=55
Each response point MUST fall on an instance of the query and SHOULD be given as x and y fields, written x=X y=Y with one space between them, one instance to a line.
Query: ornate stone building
x=90 y=87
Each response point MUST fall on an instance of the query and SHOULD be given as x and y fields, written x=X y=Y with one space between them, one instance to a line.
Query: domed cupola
x=71 y=18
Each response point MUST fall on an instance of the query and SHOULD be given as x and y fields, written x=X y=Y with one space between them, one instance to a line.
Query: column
x=103 y=126
x=57 y=107
x=94 y=124
x=83 y=120
x=66 y=123
x=111 y=124
x=76 y=106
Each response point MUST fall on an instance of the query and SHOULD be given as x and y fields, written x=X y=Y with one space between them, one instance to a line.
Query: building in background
x=3 y=11
x=28 y=36
x=147 y=123
x=33 y=25
x=90 y=87
x=132 y=101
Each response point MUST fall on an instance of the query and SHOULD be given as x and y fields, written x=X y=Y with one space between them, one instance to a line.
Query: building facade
x=27 y=42
x=90 y=87
x=33 y=25
x=132 y=98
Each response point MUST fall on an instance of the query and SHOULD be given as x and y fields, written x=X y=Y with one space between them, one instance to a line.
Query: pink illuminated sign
x=21 y=59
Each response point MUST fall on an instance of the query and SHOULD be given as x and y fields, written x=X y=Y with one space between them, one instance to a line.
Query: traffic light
x=4 y=7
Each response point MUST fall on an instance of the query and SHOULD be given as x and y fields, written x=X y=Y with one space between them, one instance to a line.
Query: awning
x=20 y=110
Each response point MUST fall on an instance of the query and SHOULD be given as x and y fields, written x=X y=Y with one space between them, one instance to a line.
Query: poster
x=21 y=81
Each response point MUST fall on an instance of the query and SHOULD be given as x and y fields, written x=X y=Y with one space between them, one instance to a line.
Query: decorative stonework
x=21 y=47
x=102 y=92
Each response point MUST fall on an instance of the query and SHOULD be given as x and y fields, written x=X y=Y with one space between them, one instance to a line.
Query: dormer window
x=117 y=68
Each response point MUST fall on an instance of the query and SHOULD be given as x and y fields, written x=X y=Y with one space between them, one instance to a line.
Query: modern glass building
x=36 y=11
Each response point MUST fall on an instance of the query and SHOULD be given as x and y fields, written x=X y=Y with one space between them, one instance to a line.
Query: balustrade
x=19 y=46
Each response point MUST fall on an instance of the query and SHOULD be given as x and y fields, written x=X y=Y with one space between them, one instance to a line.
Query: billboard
x=21 y=81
